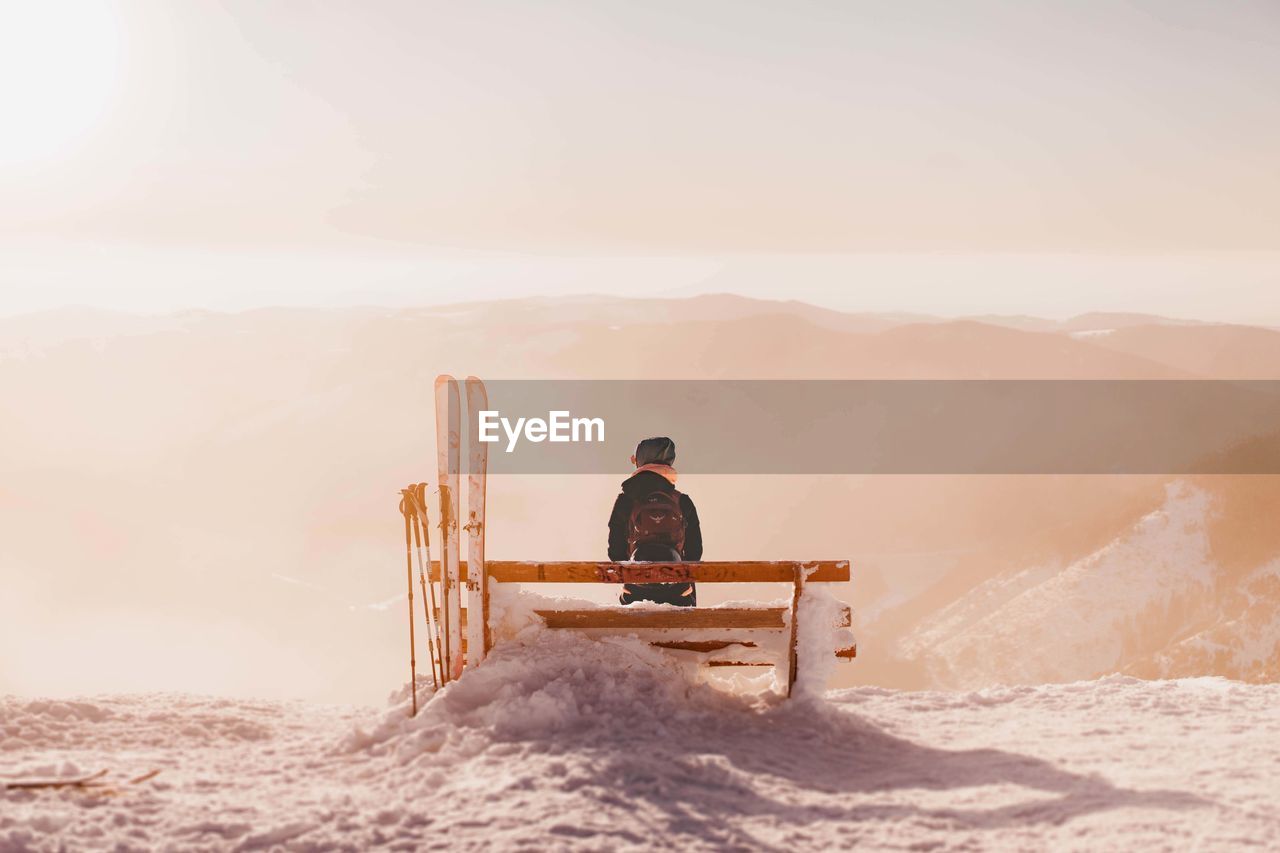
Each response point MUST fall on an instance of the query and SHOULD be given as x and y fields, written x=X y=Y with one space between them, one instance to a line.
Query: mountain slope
x=1217 y=351
x=1158 y=601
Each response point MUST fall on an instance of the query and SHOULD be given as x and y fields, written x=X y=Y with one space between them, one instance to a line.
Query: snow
x=817 y=638
x=561 y=742
x=512 y=615
x=1085 y=334
x=1066 y=623
x=1245 y=642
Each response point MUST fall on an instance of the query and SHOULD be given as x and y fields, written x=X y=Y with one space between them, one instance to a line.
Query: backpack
x=656 y=519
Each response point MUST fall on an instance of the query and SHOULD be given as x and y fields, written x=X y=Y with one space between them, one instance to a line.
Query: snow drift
x=560 y=742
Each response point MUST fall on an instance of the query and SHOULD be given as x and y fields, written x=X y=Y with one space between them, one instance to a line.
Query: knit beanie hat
x=656 y=451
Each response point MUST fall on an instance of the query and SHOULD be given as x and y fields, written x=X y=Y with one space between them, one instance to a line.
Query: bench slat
x=740 y=663
x=684 y=617
x=702 y=645
x=628 y=618
x=717 y=646
x=720 y=571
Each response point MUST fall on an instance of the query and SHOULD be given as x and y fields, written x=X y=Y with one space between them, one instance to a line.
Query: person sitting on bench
x=652 y=522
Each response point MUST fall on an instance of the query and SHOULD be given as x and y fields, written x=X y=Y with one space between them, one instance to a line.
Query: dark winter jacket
x=637 y=486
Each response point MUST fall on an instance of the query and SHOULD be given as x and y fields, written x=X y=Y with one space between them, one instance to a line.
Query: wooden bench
x=719 y=636
x=722 y=636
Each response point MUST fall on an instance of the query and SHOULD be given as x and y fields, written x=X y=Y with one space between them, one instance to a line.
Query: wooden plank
x=793 y=659
x=740 y=663
x=719 y=645
x=720 y=571
x=754 y=662
x=709 y=646
x=702 y=645
x=684 y=617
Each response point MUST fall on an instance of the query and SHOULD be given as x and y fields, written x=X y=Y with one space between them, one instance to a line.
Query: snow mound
x=550 y=685
x=545 y=684
x=560 y=742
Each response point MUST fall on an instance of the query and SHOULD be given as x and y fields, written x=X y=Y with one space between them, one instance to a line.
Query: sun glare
x=59 y=72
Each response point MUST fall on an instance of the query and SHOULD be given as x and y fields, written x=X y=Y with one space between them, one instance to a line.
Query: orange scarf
x=658 y=468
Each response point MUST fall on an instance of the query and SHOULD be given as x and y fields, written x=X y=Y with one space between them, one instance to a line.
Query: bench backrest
x=730 y=571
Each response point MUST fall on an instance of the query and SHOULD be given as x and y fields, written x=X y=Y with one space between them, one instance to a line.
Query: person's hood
x=650 y=478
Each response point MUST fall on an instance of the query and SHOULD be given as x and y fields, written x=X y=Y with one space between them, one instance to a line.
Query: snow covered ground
x=564 y=743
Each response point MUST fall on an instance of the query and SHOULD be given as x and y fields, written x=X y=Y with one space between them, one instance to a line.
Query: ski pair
x=448 y=459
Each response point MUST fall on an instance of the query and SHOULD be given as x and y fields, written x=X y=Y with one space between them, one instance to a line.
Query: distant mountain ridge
x=181 y=462
x=707 y=332
x=85 y=321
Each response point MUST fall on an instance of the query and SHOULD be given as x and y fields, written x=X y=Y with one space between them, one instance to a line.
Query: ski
x=478 y=640
x=94 y=783
x=90 y=781
x=448 y=425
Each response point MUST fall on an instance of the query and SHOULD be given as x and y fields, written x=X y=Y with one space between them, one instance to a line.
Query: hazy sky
x=1045 y=157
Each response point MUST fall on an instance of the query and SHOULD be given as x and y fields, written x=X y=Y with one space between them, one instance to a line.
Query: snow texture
x=1068 y=623
x=560 y=742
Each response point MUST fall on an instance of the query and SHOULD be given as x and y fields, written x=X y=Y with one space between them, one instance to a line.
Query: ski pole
x=408 y=557
x=424 y=577
x=419 y=536
x=446 y=588
x=420 y=500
